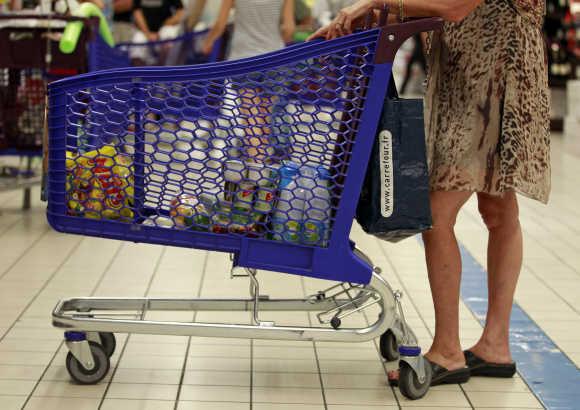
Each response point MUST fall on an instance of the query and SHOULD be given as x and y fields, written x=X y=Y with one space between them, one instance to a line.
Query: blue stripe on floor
x=550 y=374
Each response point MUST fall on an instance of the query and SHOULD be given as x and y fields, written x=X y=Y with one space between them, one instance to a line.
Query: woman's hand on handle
x=351 y=17
x=347 y=21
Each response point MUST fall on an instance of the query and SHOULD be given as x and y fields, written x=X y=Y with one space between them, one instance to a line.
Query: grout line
x=184 y=367
x=251 y=374
x=394 y=270
x=113 y=371
x=24 y=252
x=317 y=359
x=43 y=287
x=541 y=279
x=40 y=379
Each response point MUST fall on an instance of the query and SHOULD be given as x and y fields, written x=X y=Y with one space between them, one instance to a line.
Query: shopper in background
x=326 y=10
x=201 y=11
x=123 y=28
x=260 y=26
x=418 y=56
x=487 y=122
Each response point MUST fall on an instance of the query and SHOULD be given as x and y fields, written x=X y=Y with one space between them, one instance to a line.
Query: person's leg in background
x=256 y=110
x=139 y=54
x=444 y=268
x=123 y=32
x=504 y=262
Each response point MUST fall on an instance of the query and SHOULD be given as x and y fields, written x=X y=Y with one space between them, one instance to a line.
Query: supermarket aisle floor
x=39 y=266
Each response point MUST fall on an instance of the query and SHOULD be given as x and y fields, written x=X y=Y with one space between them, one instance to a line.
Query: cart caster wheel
x=108 y=342
x=335 y=322
x=83 y=376
x=389 y=346
x=409 y=383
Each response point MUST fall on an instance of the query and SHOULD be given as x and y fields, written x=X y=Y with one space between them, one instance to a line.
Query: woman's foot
x=493 y=353
x=439 y=375
x=480 y=367
x=491 y=360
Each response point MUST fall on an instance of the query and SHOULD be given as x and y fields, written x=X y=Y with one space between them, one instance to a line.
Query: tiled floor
x=38 y=266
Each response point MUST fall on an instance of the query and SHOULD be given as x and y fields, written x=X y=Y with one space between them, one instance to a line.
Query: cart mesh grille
x=261 y=154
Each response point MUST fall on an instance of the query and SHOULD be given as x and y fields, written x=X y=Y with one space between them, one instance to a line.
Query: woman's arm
x=122 y=6
x=219 y=27
x=175 y=19
x=346 y=21
x=222 y=21
x=194 y=12
x=141 y=24
x=288 y=23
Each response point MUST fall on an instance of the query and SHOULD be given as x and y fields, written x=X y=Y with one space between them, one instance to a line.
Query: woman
x=260 y=26
x=487 y=123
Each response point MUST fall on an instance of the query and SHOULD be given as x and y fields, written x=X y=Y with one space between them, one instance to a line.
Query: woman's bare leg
x=256 y=111
x=504 y=262
x=444 y=267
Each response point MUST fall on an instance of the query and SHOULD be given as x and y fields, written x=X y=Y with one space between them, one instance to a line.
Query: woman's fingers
x=344 y=22
x=320 y=33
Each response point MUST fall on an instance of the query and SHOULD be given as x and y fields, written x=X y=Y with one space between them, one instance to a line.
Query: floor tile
x=215 y=393
x=286 y=406
x=488 y=384
x=68 y=389
x=285 y=366
x=216 y=378
x=61 y=403
x=215 y=363
x=119 y=404
x=147 y=376
x=378 y=397
x=17 y=372
x=142 y=391
x=509 y=400
x=355 y=381
x=217 y=405
x=287 y=395
x=11 y=402
x=308 y=380
x=436 y=398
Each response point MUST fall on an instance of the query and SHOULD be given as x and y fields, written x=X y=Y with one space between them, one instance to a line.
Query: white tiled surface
x=38 y=266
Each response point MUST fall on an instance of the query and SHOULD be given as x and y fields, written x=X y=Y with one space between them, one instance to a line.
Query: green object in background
x=70 y=36
x=301 y=36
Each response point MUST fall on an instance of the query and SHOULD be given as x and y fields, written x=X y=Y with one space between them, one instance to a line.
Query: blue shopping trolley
x=271 y=177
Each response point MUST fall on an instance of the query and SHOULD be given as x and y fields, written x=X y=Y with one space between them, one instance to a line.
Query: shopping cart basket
x=130 y=158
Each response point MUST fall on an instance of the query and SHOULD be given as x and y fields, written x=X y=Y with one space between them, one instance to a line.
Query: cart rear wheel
x=389 y=346
x=83 y=376
x=409 y=383
x=108 y=342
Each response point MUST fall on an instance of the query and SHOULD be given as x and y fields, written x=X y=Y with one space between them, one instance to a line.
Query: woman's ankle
x=449 y=358
x=492 y=350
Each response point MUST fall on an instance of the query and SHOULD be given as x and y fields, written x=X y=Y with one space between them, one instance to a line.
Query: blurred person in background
x=156 y=20
x=260 y=26
x=417 y=56
x=123 y=28
x=201 y=14
x=324 y=11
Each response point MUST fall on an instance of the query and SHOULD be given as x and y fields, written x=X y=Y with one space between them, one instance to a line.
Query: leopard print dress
x=487 y=104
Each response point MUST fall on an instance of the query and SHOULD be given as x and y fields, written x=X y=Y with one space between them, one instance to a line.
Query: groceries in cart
x=100 y=184
x=282 y=202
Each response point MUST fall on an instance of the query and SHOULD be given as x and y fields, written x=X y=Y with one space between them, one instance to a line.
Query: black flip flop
x=479 y=367
x=439 y=375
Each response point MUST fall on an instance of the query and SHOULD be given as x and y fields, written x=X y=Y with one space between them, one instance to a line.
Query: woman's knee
x=444 y=208
x=499 y=211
